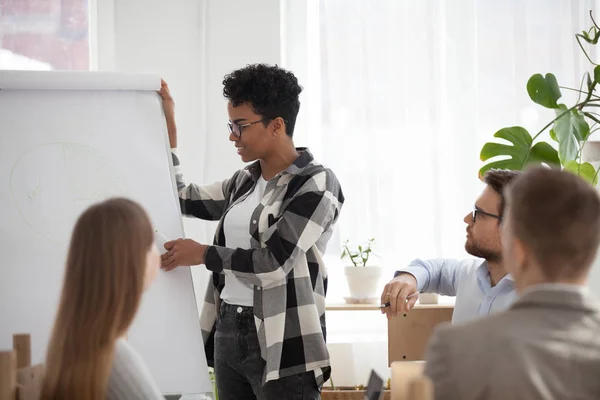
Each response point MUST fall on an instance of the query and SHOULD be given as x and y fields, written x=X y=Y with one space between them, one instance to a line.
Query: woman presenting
x=263 y=319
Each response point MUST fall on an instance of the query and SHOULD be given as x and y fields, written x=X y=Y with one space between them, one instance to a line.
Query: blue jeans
x=239 y=367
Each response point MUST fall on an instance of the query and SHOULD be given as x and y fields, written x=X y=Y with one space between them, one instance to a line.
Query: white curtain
x=401 y=95
x=399 y=98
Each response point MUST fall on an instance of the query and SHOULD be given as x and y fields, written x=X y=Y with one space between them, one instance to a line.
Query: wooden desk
x=351 y=307
x=375 y=307
x=18 y=379
x=408 y=334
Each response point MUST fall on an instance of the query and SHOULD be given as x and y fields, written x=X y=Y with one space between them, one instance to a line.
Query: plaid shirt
x=289 y=232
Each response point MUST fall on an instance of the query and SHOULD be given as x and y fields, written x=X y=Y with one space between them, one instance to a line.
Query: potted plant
x=213 y=381
x=362 y=279
x=570 y=129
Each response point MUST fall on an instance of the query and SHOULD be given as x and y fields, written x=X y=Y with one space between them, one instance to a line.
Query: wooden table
x=408 y=334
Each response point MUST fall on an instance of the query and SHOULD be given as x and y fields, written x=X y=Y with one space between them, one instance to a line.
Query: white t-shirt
x=237 y=236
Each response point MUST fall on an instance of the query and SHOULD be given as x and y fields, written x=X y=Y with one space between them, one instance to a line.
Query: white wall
x=238 y=33
x=192 y=44
x=167 y=39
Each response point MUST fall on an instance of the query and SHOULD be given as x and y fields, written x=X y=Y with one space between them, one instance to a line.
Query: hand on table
x=402 y=294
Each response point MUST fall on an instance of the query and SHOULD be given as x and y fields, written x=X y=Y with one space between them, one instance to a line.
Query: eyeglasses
x=236 y=129
x=479 y=211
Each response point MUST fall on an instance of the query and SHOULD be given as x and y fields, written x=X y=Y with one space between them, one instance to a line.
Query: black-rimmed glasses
x=236 y=129
x=480 y=211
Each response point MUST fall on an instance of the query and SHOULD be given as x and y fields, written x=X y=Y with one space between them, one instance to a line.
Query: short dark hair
x=498 y=179
x=556 y=214
x=271 y=91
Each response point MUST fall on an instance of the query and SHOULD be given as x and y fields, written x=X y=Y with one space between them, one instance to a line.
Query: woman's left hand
x=169 y=110
x=182 y=252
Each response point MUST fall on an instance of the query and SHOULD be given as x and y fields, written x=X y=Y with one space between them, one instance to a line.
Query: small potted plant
x=213 y=381
x=362 y=279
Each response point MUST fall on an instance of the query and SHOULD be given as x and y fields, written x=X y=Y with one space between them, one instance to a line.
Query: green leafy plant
x=358 y=256
x=570 y=129
x=213 y=381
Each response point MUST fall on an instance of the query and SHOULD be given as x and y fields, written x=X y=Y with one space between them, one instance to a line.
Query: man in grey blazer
x=547 y=344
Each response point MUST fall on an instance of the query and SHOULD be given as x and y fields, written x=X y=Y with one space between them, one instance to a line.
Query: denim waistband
x=241 y=311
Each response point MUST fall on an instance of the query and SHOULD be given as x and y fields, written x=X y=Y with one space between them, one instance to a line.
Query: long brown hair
x=102 y=290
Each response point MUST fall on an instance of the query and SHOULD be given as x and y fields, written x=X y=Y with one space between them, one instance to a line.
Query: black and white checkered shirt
x=289 y=232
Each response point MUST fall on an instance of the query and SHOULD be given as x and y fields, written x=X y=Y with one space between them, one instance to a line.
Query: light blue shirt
x=469 y=281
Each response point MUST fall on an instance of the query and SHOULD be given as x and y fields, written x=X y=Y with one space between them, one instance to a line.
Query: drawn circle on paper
x=52 y=184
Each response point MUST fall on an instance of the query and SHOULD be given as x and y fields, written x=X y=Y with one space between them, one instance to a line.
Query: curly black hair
x=271 y=91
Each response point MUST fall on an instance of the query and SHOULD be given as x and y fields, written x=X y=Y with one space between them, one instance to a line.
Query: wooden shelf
x=351 y=307
x=375 y=307
x=440 y=305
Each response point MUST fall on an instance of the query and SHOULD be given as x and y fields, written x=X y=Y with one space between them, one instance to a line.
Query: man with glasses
x=545 y=346
x=482 y=285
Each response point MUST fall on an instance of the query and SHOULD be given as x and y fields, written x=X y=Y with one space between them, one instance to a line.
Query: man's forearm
x=434 y=276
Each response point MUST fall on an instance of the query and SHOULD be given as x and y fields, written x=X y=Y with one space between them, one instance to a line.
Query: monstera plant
x=570 y=129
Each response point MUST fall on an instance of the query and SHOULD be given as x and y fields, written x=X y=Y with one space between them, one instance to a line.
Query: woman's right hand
x=169 y=110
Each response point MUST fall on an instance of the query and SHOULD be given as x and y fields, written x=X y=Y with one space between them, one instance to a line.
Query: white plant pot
x=363 y=282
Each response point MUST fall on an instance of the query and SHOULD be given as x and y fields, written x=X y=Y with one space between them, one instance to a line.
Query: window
x=399 y=97
x=44 y=35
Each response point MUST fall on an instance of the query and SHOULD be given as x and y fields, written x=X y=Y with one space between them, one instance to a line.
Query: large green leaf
x=521 y=151
x=543 y=153
x=544 y=90
x=585 y=170
x=597 y=73
x=570 y=129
